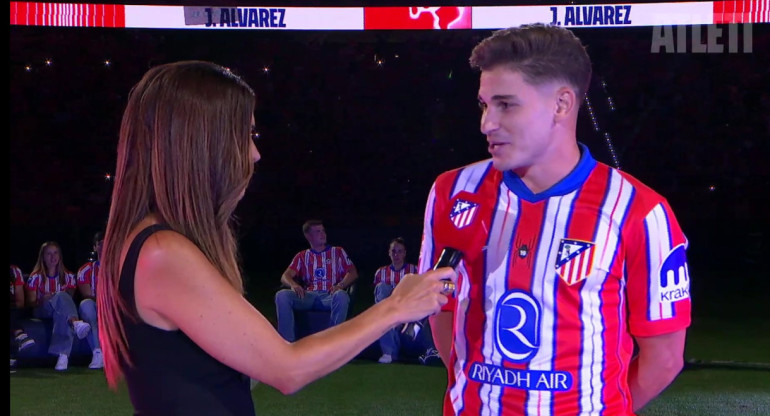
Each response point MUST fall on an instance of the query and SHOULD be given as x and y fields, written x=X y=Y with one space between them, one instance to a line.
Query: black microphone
x=450 y=257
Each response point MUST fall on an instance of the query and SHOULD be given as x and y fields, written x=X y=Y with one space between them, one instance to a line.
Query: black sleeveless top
x=171 y=375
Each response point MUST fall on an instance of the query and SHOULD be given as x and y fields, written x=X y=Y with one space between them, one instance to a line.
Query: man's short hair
x=541 y=53
x=310 y=223
x=399 y=240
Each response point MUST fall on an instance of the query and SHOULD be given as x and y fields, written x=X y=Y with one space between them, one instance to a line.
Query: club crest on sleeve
x=574 y=261
x=463 y=212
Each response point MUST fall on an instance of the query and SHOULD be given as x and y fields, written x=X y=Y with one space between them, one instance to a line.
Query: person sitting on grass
x=49 y=291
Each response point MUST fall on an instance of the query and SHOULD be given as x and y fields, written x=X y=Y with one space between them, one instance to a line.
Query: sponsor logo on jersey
x=517 y=326
x=674 y=276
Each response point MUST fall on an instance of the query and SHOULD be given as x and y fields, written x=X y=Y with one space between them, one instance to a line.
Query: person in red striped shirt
x=87 y=278
x=568 y=264
x=49 y=291
x=385 y=280
x=316 y=279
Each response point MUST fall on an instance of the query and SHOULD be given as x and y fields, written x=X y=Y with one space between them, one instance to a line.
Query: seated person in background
x=19 y=339
x=317 y=278
x=385 y=280
x=49 y=291
x=86 y=283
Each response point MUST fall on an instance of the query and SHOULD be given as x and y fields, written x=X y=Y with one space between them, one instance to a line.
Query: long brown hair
x=61 y=271
x=183 y=155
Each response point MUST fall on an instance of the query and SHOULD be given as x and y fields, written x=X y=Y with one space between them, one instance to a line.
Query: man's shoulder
x=479 y=167
x=644 y=198
x=643 y=193
x=86 y=266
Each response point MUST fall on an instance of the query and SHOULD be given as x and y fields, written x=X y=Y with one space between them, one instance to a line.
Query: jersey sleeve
x=84 y=274
x=18 y=276
x=657 y=276
x=345 y=261
x=428 y=254
x=69 y=281
x=378 y=276
x=33 y=283
x=297 y=264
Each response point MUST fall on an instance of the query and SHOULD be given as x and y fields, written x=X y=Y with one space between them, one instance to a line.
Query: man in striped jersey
x=317 y=279
x=87 y=279
x=385 y=280
x=568 y=263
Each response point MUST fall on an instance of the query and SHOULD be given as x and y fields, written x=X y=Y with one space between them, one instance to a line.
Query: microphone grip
x=449 y=257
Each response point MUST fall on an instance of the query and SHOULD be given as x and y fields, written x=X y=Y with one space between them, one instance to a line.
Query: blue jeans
x=60 y=308
x=390 y=341
x=287 y=301
x=87 y=311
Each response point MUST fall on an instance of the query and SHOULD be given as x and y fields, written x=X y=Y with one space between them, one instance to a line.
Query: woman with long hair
x=172 y=316
x=49 y=292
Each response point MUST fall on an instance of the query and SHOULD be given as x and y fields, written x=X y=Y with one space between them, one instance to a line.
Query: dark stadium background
x=355 y=126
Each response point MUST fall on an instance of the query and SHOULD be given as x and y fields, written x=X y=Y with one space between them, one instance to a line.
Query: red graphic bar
x=389 y=18
x=747 y=11
x=68 y=14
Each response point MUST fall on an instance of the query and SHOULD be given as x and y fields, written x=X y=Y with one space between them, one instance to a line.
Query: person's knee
x=382 y=291
x=341 y=298
x=285 y=297
x=87 y=308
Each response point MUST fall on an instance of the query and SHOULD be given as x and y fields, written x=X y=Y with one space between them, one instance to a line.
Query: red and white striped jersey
x=553 y=286
x=88 y=275
x=17 y=279
x=45 y=285
x=388 y=274
x=320 y=270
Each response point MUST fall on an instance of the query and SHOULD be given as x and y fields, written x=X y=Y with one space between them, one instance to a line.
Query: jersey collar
x=568 y=184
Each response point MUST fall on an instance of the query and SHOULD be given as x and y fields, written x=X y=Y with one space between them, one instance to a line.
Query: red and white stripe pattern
x=68 y=14
x=391 y=276
x=583 y=328
x=44 y=285
x=88 y=275
x=320 y=270
x=755 y=11
x=576 y=259
x=17 y=280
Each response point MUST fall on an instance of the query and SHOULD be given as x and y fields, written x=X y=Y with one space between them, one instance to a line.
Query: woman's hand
x=417 y=296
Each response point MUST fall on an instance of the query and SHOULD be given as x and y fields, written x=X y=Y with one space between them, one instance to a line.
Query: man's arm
x=85 y=290
x=659 y=361
x=288 y=278
x=350 y=277
x=441 y=328
x=18 y=293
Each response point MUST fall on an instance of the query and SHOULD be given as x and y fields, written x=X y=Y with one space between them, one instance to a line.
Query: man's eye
x=482 y=105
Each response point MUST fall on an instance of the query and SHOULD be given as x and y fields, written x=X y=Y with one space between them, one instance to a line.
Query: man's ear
x=566 y=102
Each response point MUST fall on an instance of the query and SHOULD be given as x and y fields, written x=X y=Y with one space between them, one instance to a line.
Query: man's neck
x=547 y=173
x=398 y=265
x=320 y=247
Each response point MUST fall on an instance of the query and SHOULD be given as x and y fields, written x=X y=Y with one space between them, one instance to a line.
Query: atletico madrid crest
x=463 y=213
x=575 y=260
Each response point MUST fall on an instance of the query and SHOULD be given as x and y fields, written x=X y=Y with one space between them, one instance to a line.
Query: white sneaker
x=62 y=363
x=97 y=361
x=81 y=328
x=386 y=359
